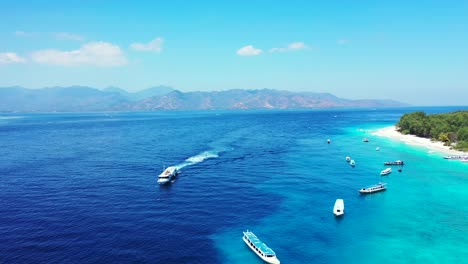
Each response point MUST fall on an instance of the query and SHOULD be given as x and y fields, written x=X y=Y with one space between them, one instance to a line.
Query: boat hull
x=367 y=191
x=386 y=172
x=164 y=181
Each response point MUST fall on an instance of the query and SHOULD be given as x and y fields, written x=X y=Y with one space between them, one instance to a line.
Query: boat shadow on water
x=339 y=219
x=167 y=186
x=370 y=196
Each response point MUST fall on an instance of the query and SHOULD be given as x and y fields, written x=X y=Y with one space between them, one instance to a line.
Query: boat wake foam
x=210 y=154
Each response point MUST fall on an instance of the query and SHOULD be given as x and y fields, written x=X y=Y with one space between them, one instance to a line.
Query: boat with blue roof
x=261 y=249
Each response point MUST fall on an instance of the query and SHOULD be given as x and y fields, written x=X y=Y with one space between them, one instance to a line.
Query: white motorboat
x=352 y=163
x=374 y=188
x=167 y=175
x=386 y=172
x=338 y=209
x=263 y=251
x=348 y=158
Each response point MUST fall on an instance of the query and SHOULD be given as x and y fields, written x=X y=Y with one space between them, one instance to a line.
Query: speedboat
x=352 y=163
x=386 y=171
x=338 y=209
x=167 y=175
x=262 y=250
x=397 y=162
x=374 y=188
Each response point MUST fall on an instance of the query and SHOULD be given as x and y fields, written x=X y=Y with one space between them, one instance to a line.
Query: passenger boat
x=374 y=188
x=338 y=209
x=167 y=175
x=398 y=162
x=263 y=251
x=352 y=163
x=456 y=157
x=386 y=172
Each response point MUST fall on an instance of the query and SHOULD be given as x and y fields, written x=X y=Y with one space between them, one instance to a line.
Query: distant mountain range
x=86 y=99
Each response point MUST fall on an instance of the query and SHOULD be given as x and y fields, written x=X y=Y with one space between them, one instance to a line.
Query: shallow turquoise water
x=421 y=218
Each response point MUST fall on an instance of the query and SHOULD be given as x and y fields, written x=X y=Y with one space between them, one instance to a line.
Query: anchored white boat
x=167 y=175
x=352 y=163
x=386 y=172
x=397 y=162
x=338 y=209
x=456 y=157
x=348 y=158
x=374 y=188
x=257 y=246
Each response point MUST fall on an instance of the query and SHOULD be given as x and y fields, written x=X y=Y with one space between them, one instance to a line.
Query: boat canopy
x=259 y=244
x=168 y=171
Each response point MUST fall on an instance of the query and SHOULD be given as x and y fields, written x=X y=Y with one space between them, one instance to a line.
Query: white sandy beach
x=431 y=146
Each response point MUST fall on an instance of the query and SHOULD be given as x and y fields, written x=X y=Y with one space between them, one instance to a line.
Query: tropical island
x=443 y=133
x=449 y=128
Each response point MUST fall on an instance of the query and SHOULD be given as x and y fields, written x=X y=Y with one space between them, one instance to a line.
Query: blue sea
x=82 y=188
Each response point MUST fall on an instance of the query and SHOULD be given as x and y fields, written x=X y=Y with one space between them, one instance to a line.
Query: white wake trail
x=210 y=154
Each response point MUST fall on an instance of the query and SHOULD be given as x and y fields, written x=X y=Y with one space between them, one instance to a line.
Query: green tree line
x=450 y=128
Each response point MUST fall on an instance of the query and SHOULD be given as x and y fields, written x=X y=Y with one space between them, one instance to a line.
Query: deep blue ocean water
x=82 y=188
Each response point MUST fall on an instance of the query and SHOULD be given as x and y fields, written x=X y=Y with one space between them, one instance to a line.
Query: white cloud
x=25 y=34
x=291 y=47
x=342 y=41
x=93 y=53
x=155 y=45
x=10 y=57
x=249 y=51
x=68 y=36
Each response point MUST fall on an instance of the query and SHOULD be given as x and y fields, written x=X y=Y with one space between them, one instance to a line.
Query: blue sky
x=413 y=51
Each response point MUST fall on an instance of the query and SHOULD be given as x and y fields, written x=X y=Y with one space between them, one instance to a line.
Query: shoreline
x=431 y=146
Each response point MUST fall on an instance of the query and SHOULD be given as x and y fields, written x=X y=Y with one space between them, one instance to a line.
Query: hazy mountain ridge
x=83 y=99
x=140 y=95
x=253 y=99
